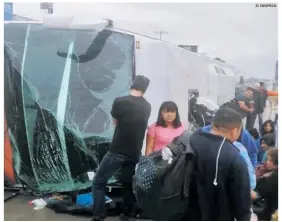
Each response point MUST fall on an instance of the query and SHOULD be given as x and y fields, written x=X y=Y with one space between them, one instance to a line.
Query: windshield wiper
x=94 y=49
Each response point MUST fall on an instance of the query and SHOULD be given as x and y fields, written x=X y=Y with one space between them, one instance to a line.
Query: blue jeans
x=111 y=163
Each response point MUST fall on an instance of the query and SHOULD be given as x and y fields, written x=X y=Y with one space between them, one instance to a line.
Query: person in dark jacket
x=223 y=186
x=245 y=103
x=246 y=139
x=264 y=96
x=267 y=187
x=259 y=104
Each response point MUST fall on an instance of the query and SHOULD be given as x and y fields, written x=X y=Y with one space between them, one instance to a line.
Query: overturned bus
x=60 y=82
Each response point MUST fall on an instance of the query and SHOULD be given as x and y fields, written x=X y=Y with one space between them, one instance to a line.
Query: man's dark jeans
x=276 y=119
x=110 y=164
x=251 y=119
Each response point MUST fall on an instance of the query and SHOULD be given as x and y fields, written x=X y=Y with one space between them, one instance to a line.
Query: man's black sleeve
x=240 y=191
x=116 y=109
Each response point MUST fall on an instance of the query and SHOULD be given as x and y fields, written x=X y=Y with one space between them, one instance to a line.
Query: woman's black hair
x=269 y=139
x=169 y=106
x=272 y=126
x=254 y=132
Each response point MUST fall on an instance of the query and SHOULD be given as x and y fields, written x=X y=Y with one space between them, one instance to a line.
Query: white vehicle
x=63 y=77
x=172 y=70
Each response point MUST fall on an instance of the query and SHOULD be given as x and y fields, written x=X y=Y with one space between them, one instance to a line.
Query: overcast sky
x=239 y=33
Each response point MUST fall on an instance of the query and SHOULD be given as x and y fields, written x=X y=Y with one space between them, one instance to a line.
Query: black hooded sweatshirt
x=222 y=187
x=259 y=101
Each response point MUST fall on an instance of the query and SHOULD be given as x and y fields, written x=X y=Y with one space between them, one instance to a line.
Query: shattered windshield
x=59 y=88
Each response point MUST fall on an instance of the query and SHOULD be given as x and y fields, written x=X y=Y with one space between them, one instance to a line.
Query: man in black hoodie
x=223 y=187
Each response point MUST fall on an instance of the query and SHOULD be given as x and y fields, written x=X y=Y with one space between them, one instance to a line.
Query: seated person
x=267 y=143
x=267 y=127
x=267 y=187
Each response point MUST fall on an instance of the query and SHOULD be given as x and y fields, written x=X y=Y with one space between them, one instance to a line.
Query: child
x=267 y=143
x=268 y=127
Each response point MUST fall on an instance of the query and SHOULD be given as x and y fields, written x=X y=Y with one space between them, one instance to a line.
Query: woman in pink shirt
x=167 y=127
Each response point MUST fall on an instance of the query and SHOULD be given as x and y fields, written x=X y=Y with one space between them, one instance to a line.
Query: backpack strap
x=174 y=149
x=184 y=141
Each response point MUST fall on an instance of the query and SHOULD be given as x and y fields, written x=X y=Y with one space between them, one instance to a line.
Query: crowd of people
x=251 y=104
x=237 y=167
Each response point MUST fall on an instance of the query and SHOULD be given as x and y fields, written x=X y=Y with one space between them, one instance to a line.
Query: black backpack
x=233 y=104
x=162 y=187
x=202 y=115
